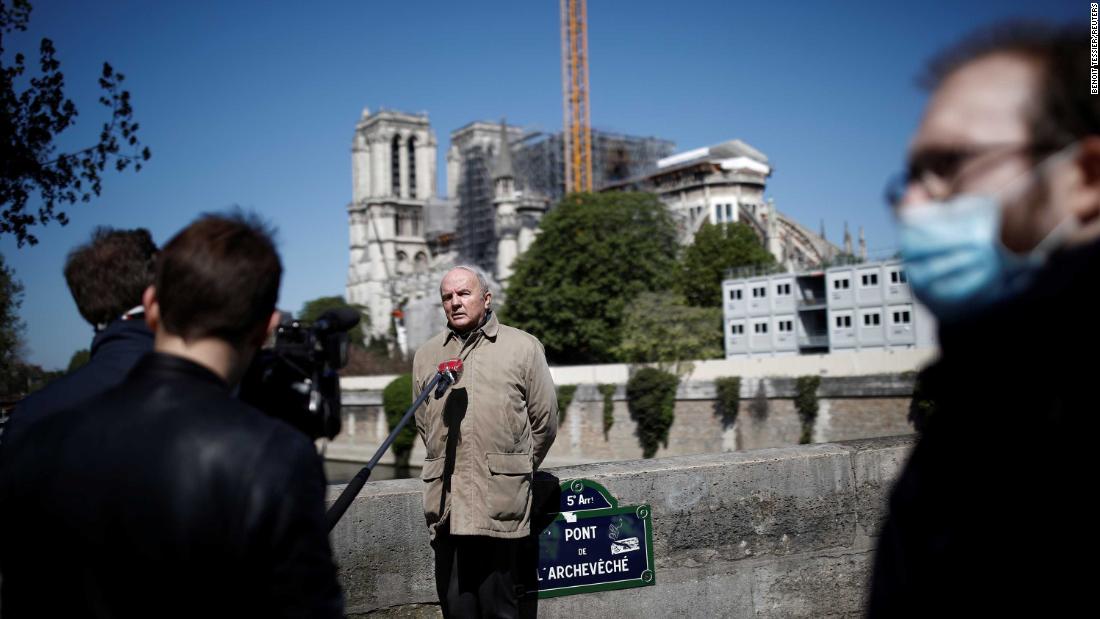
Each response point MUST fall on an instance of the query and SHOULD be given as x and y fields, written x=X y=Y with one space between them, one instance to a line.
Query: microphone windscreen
x=451 y=365
x=338 y=319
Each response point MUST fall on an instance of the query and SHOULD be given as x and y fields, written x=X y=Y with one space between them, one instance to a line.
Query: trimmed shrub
x=759 y=406
x=608 y=392
x=396 y=399
x=728 y=399
x=565 y=398
x=805 y=400
x=651 y=398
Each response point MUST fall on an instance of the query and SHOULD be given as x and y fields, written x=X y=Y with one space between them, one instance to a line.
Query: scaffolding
x=541 y=169
x=476 y=228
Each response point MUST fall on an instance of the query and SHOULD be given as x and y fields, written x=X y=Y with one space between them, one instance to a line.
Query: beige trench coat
x=488 y=433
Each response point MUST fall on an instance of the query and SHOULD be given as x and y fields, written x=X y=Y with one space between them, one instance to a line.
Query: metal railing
x=811 y=302
x=755 y=270
x=813 y=341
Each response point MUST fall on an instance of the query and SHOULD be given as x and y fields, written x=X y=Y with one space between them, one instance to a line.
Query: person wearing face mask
x=999 y=226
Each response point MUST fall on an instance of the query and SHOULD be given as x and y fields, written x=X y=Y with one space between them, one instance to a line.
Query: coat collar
x=162 y=366
x=490 y=328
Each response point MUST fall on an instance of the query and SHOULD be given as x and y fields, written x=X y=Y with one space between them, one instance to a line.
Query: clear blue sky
x=254 y=103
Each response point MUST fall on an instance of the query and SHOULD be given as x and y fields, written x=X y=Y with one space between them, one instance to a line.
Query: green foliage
x=565 y=398
x=396 y=399
x=35 y=117
x=651 y=397
x=312 y=310
x=728 y=398
x=805 y=400
x=78 y=359
x=759 y=405
x=24 y=379
x=17 y=378
x=11 y=327
x=923 y=404
x=594 y=255
x=608 y=392
x=662 y=328
x=844 y=259
x=715 y=249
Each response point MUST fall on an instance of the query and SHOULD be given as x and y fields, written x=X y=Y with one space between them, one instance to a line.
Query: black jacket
x=988 y=516
x=164 y=497
x=113 y=354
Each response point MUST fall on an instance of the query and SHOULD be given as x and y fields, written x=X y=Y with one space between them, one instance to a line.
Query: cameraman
x=106 y=277
x=165 y=496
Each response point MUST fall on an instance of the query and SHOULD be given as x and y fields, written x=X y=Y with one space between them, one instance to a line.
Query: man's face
x=975 y=132
x=464 y=302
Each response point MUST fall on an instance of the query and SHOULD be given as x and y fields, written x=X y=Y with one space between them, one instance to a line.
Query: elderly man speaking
x=484 y=437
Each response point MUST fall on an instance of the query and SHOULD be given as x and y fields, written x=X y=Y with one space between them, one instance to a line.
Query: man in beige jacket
x=485 y=437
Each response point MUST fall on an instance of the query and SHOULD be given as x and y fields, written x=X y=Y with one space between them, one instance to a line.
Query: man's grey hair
x=481 y=279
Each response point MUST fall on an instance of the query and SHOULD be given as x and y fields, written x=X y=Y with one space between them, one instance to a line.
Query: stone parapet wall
x=785 y=532
x=850 y=407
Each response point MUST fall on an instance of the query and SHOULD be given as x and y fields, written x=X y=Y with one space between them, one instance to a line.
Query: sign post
x=594 y=544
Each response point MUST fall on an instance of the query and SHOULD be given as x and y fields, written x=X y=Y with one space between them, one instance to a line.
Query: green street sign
x=595 y=545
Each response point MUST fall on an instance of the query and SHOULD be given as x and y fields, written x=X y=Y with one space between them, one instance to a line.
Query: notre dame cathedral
x=501 y=180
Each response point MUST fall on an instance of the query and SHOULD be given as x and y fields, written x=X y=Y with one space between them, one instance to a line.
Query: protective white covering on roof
x=682 y=157
x=730 y=150
x=745 y=163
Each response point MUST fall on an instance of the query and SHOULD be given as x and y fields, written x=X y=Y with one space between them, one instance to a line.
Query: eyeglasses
x=940 y=171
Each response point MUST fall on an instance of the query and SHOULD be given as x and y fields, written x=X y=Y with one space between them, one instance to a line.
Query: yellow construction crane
x=574 y=85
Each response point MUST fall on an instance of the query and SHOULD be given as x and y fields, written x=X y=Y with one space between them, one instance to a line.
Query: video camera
x=296 y=380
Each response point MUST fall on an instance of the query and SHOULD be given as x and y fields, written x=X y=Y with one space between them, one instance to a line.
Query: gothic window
x=412 y=167
x=395 y=165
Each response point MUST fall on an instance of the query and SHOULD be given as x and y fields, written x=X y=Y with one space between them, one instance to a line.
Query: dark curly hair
x=108 y=274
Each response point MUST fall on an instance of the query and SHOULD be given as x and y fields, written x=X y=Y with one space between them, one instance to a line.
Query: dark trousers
x=477 y=576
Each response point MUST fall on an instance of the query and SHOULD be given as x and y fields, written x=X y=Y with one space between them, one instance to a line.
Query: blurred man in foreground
x=165 y=496
x=999 y=223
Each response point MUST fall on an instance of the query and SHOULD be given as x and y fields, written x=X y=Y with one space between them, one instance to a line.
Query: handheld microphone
x=449 y=372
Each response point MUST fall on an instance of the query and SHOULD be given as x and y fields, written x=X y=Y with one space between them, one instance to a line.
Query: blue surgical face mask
x=954 y=258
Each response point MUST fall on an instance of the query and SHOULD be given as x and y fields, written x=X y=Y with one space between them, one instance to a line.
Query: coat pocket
x=432 y=475
x=509 y=485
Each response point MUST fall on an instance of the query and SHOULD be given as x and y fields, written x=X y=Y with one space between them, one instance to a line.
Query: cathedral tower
x=393 y=178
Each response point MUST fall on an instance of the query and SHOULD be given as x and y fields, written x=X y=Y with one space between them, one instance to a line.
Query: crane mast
x=577 y=132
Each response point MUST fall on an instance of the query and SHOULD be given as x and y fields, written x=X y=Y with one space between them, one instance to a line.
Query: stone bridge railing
x=785 y=532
